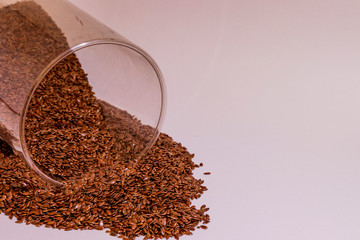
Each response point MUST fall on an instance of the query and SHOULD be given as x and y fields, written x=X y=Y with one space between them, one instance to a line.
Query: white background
x=266 y=94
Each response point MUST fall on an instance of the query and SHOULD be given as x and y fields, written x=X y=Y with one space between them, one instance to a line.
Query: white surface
x=266 y=94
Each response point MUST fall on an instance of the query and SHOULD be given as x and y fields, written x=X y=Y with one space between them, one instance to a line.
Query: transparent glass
x=46 y=32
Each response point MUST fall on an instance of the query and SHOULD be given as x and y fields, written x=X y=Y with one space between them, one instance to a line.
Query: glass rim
x=59 y=58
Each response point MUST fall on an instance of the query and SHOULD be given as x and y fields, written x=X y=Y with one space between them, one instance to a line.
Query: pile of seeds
x=91 y=146
x=150 y=197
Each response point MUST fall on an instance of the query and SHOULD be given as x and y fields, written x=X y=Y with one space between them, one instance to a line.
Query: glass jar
x=37 y=35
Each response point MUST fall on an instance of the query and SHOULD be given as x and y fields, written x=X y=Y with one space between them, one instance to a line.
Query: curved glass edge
x=25 y=154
